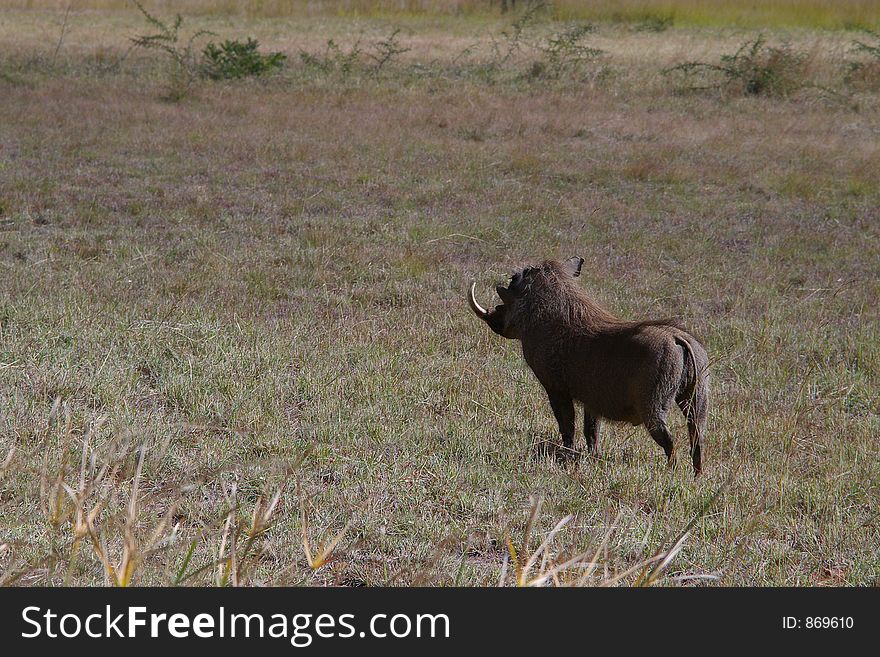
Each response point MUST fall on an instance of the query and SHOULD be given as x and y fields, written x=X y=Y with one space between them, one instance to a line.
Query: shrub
x=871 y=49
x=654 y=22
x=559 y=53
x=865 y=73
x=182 y=61
x=564 y=51
x=373 y=59
x=333 y=59
x=236 y=59
x=754 y=69
x=387 y=50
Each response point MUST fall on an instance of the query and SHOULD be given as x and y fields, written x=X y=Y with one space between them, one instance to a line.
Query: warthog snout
x=494 y=318
x=619 y=370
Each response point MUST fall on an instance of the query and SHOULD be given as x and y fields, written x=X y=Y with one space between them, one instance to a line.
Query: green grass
x=741 y=13
x=264 y=286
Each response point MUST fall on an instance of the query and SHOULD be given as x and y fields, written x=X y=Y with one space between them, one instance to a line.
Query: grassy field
x=237 y=321
x=835 y=14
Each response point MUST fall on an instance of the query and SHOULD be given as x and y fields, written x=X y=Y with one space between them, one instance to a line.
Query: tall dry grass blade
x=261 y=521
x=503 y=575
x=665 y=560
x=536 y=502
x=224 y=563
x=554 y=572
x=8 y=460
x=629 y=571
x=181 y=572
x=517 y=571
x=647 y=578
x=325 y=553
x=594 y=562
x=543 y=547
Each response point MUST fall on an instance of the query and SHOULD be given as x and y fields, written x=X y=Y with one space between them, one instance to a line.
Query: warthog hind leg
x=695 y=413
x=660 y=433
x=591 y=433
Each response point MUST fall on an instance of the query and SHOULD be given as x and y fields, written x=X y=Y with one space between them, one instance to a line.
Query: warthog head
x=509 y=318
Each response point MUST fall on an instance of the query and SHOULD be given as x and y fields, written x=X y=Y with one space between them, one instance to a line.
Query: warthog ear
x=574 y=265
x=506 y=295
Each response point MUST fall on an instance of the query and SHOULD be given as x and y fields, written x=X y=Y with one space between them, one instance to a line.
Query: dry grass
x=234 y=347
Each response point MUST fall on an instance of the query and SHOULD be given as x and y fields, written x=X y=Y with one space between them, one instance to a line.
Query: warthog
x=619 y=370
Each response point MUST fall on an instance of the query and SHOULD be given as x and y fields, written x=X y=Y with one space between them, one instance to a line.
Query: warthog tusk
x=477 y=308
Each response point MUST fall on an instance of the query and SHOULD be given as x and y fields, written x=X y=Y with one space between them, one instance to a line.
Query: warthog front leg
x=563 y=409
x=591 y=433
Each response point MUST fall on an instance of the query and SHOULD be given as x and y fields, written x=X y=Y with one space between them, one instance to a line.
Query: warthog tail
x=693 y=396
